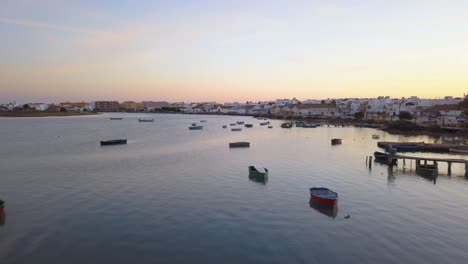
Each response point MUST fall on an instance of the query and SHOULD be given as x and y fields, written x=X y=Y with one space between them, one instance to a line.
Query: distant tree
x=322 y=102
x=26 y=106
x=333 y=102
x=404 y=115
x=63 y=109
x=359 y=115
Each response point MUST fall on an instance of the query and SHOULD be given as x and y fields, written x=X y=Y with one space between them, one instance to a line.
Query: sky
x=55 y=50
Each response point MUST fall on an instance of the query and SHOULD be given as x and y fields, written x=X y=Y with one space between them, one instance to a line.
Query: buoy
x=347 y=217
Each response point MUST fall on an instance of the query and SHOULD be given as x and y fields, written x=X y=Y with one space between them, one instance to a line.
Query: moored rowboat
x=113 y=142
x=257 y=171
x=239 y=144
x=336 y=141
x=145 y=120
x=324 y=196
x=380 y=155
x=192 y=127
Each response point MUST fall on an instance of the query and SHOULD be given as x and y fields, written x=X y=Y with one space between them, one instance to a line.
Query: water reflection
x=328 y=211
x=2 y=218
x=260 y=179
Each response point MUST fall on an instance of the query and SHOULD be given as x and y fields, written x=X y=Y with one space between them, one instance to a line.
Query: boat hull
x=324 y=197
x=195 y=127
x=239 y=145
x=259 y=175
x=336 y=141
x=113 y=142
x=380 y=155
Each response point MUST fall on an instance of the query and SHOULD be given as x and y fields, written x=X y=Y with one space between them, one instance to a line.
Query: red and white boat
x=324 y=196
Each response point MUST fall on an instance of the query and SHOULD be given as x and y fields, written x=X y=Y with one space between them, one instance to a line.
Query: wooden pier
x=424 y=160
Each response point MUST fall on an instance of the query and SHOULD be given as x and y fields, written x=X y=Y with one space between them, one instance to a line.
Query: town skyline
x=242 y=51
x=65 y=99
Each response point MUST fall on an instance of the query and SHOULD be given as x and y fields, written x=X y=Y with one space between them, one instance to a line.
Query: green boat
x=258 y=172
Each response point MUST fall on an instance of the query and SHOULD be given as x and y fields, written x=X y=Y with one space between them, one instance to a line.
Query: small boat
x=115 y=118
x=239 y=144
x=145 y=120
x=194 y=124
x=336 y=141
x=248 y=125
x=240 y=122
x=375 y=137
x=299 y=124
x=309 y=126
x=287 y=125
x=203 y=121
x=324 y=196
x=459 y=150
x=380 y=155
x=233 y=124
x=113 y=142
x=270 y=126
x=257 y=171
x=264 y=123
x=224 y=126
x=236 y=129
x=195 y=127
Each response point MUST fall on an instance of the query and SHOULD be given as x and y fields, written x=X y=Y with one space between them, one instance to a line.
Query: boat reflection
x=2 y=218
x=328 y=211
x=260 y=179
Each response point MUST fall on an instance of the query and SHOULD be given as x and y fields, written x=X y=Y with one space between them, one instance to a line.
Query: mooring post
x=391 y=157
x=370 y=162
x=466 y=169
x=404 y=162
x=449 y=167
x=367 y=157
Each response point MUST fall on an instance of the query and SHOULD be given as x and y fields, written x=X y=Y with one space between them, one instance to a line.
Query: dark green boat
x=256 y=171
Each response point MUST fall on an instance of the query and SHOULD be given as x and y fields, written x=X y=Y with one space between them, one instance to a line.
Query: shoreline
x=44 y=114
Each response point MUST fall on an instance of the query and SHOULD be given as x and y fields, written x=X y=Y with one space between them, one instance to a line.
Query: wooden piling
x=449 y=168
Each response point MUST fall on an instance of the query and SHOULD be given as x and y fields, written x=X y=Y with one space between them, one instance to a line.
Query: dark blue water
x=178 y=196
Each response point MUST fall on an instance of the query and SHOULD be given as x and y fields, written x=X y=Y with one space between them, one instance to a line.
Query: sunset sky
x=53 y=50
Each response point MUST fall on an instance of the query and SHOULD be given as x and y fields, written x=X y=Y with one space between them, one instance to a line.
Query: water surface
x=172 y=195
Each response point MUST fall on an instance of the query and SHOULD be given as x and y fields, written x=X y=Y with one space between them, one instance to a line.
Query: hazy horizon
x=244 y=51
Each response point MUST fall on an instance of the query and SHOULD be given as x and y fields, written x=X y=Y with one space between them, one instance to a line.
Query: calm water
x=178 y=196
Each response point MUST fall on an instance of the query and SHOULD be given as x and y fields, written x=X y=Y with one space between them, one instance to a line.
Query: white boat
x=236 y=129
x=265 y=123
